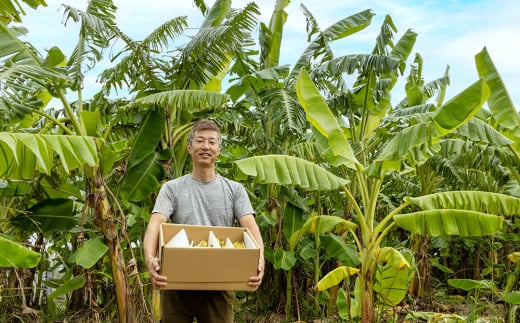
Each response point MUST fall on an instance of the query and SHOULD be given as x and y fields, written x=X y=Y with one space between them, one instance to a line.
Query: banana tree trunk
x=422 y=275
x=107 y=222
x=368 y=265
x=367 y=306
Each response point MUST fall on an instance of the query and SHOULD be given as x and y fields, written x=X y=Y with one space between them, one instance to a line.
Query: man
x=201 y=198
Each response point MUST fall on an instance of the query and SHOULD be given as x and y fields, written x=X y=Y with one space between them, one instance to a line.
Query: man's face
x=204 y=148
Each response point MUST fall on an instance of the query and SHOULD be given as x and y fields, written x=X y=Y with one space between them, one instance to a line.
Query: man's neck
x=204 y=175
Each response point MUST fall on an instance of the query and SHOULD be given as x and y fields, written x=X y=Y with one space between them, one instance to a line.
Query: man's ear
x=188 y=148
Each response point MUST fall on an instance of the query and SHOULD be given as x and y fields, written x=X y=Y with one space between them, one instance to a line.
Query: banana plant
x=278 y=124
x=171 y=102
x=323 y=229
x=503 y=116
x=30 y=80
x=96 y=142
x=13 y=10
x=69 y=141
x=464 y=213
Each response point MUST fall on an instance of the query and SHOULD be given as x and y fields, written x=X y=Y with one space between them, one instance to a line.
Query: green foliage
x=335 y=277
x=392 y=278
x=89 y=253
x=512 y=298
x=470 y=284
x=47 y=216
x=15 y=255
x=340 y=175
x=289 y=170
x=23 y=154
x=324 y=121
x=318 y=225
x=144 y=169
x=449 y=222
x=434 y=220
x=67 y=287
x=13 y=10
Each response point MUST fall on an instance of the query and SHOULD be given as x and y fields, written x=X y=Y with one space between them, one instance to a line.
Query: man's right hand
x=154 y=265
x=150 y=246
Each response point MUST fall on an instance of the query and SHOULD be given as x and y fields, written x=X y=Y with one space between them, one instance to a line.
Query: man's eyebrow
x=209 y=137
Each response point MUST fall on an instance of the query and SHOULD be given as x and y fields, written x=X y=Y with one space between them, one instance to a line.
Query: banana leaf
x=147 y=137
x=144 y=171
x=292 y=220
x=273 y=35
x=216 y=14
x=14 y=188
x=283 y=259
x=289 y=170
x=437 y=223
x=446 y=119
x=142 y=180
x=392 y=257
x=49 y=215
x=336 y=247
x=514 y=257
x=341 y=29
x=320 y=224
x=321 y=118
x=461 y=108
x=23 y=155
x=13 y=8
x=512 y=298
x=478 y=131
x=489 y=202
x=72 y=284
x=499 y=102
x=89 y=253
x=471 y=284
x=15 y=255
x=195 y=100
x=336 y=276
x=391 y=284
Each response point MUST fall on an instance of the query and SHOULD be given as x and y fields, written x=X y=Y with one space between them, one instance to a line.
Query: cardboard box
x=207 y=268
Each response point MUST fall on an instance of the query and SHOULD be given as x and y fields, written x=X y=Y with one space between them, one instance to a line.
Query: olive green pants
x=183 y=306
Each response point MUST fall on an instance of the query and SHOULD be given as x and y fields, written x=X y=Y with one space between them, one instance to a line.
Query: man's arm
x=248 y=221
x=150 y=246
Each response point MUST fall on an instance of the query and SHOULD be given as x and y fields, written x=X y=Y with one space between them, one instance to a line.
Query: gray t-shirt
x=219 y=202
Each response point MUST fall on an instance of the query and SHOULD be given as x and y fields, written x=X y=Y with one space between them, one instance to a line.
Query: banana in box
x=197 y=257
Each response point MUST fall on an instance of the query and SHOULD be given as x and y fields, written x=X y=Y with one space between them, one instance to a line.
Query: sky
x=450 y=32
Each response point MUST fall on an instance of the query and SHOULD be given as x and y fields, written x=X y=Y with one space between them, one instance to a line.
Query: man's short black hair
x=204 y=124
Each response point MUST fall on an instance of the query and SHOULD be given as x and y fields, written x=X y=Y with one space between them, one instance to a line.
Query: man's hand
x=150 y=246
x=255 y=281
x=154 y=265
x=248 y=221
